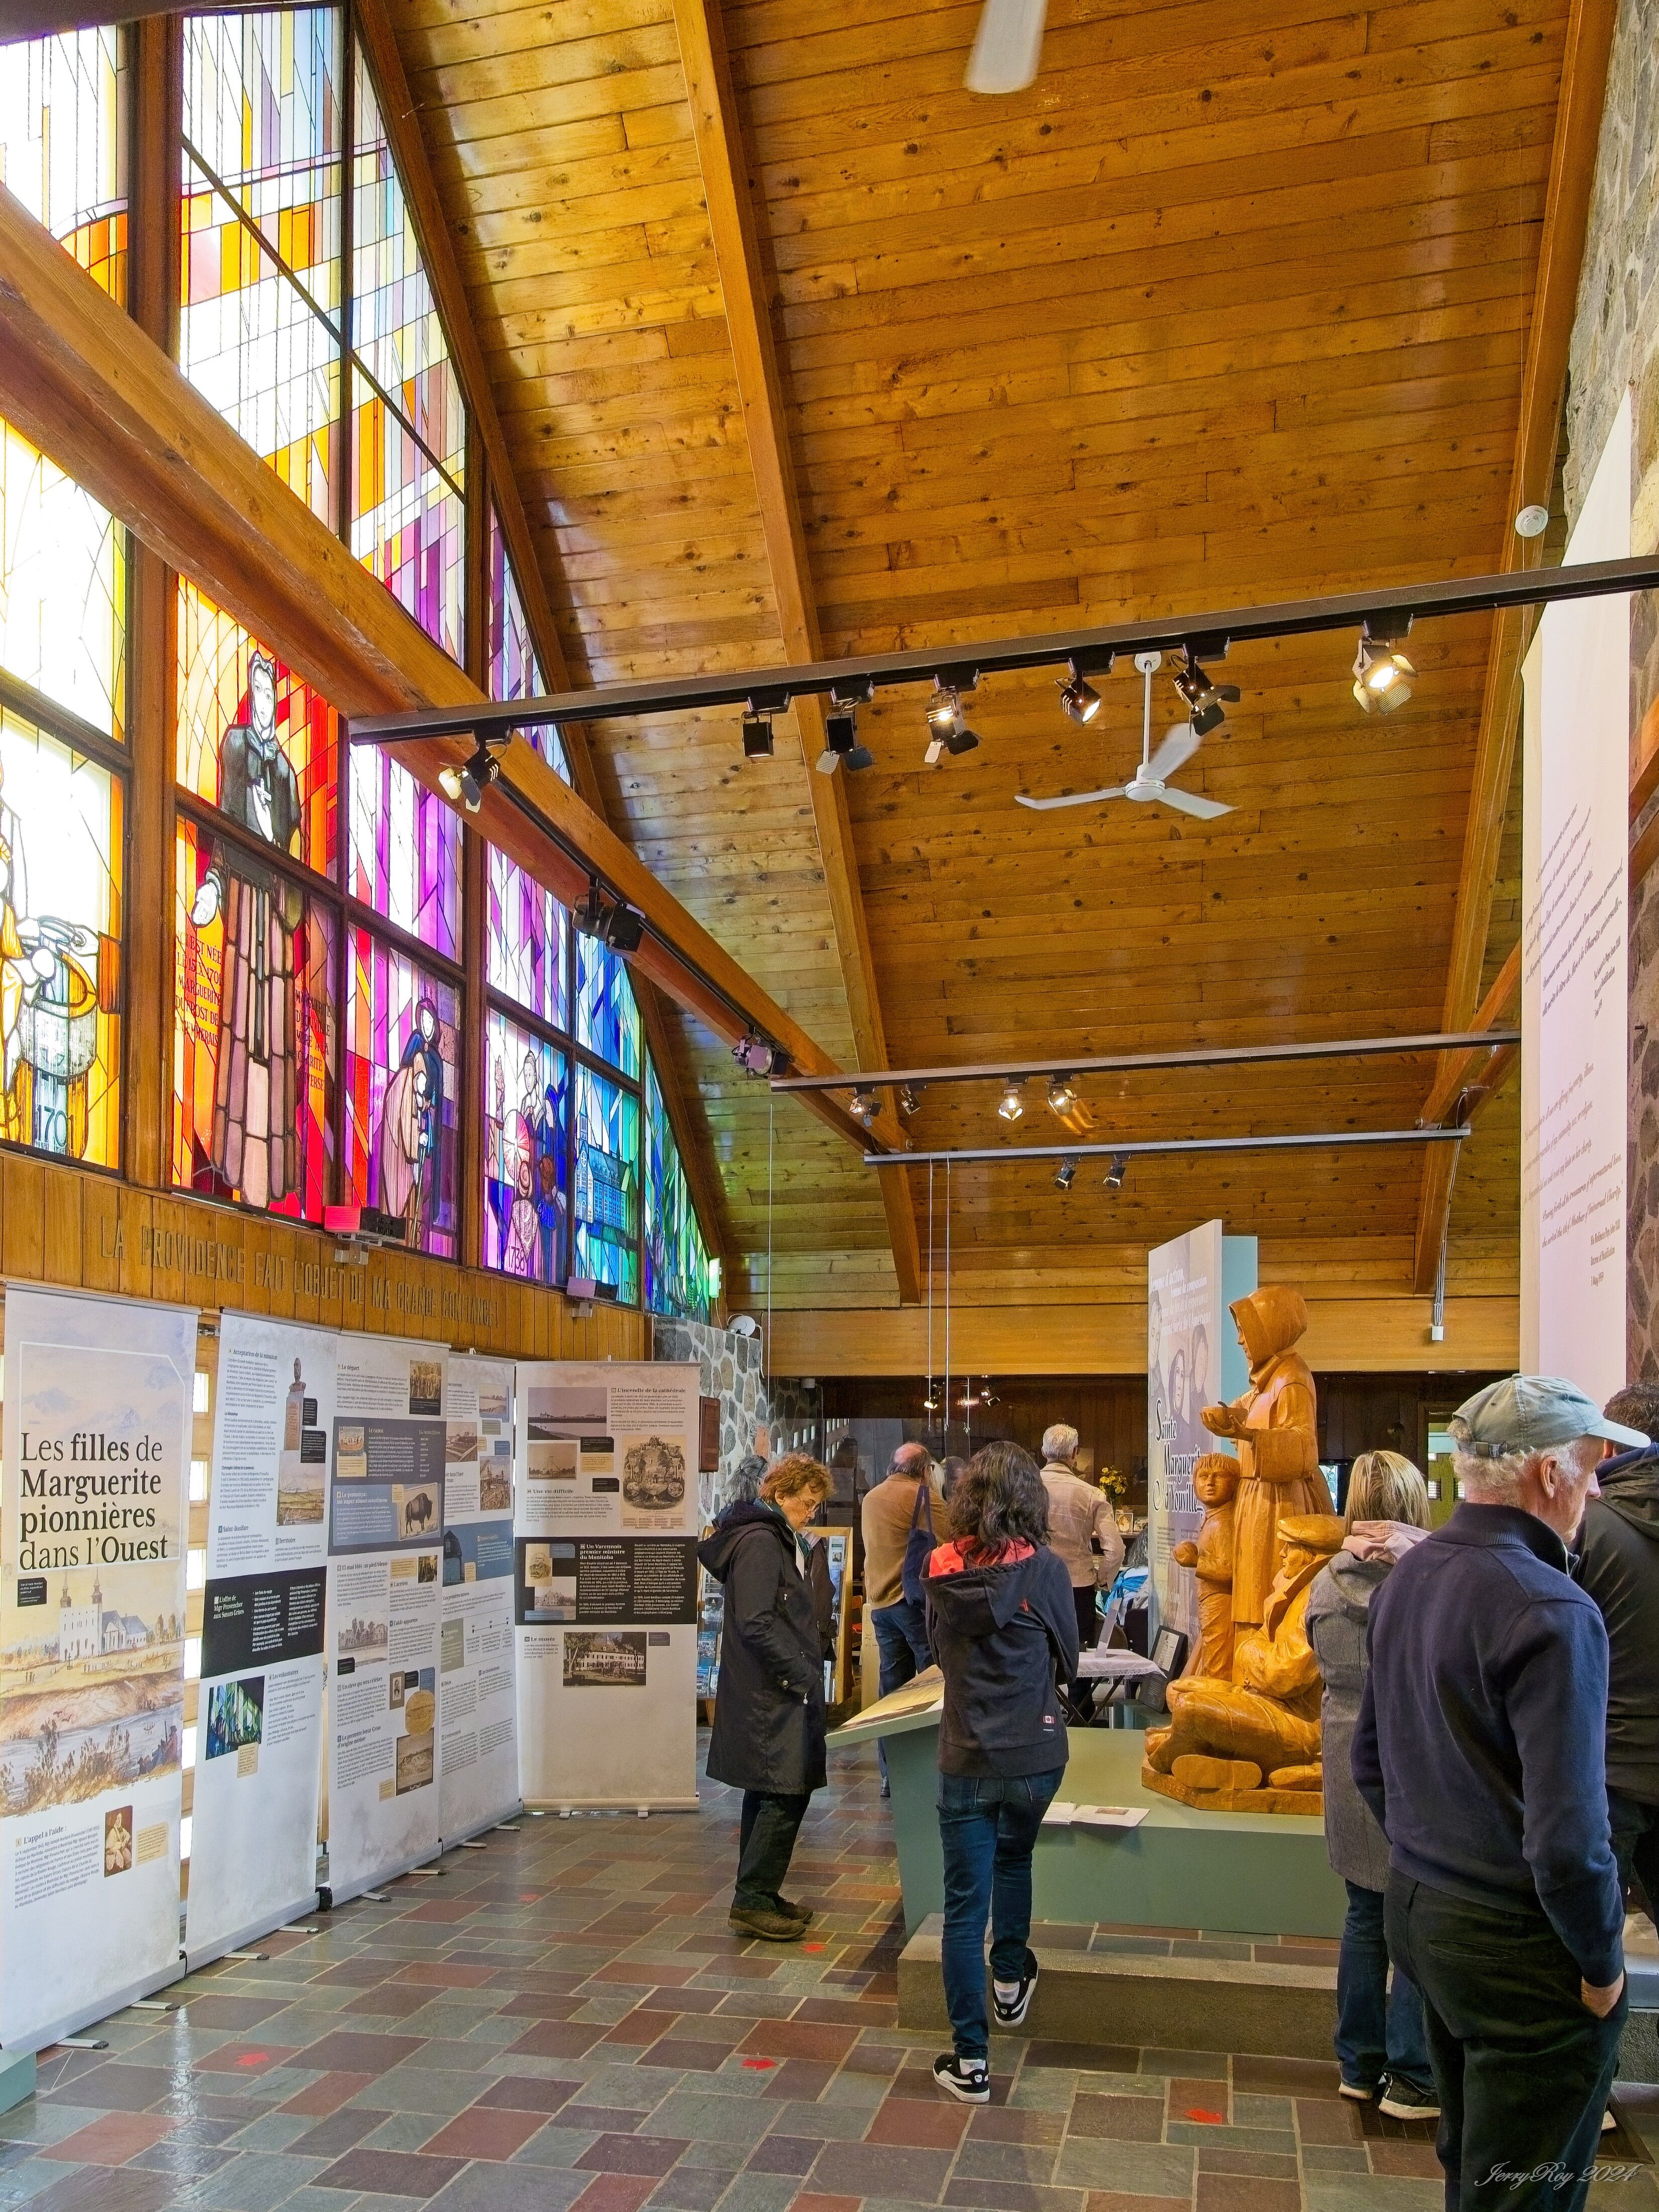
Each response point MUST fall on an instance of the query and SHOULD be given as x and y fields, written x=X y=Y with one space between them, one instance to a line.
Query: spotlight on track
x=910 y=1099
x=1062 y=1094
x=757 y=735
x=1078 y=696
x=866 y=1108
x=840 y=730
x=613 y=923
x=1066 y=1174
x=1118 y=1168
x=466 y=785
x=930 y=1403
x=1205 y=702
x=757 y=1055
x=1012 y=1104
x=1382 y=677
x=947 y=725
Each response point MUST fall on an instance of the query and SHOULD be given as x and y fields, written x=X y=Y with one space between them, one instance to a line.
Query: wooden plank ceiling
x=1231 y=304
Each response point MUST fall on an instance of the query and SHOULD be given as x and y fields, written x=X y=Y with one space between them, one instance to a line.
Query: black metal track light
x=611 y=922
x=466 y=785
x=866 y=1108
x=1205 y=702
x=757 y=734
x=909 y=1098
x=948 y=730
x=1066 y=1174
x=1078 y=696
x=1382 y=677
x=841 y=739
x=759 y=1056
x=1117 y=1168
x=1062 y=1094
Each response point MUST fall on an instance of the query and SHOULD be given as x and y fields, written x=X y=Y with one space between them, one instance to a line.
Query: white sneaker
x=1011 y=2010
x=968 y=2080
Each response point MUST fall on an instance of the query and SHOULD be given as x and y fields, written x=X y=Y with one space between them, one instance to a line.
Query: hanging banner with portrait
x=1194 y=1359
x=260 y=1710
x=478 y=1702
x=605 y=1583
x=95 y=1445
x=385 y=1533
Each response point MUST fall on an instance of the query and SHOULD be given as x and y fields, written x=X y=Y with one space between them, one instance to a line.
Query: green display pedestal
x=1248 y=1873
x=16 y=2077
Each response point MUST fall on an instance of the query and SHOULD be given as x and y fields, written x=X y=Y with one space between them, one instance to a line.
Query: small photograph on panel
x=564 y=1409
x=426 y=1386
x=553 y=1463
x=603 y=1659
x=653 y=1483
x=351 y=1452
x=364 y=1640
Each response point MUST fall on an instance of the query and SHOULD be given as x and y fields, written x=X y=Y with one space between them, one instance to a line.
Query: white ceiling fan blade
x=1179 y=745
x=1189 y=802
x=1007 y=46
x=1071 y=799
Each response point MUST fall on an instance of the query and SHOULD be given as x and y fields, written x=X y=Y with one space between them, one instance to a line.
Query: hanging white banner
x=385 y=1544
x=260 y=1710
x=95 y=1451
x=606 y=1584
x=478 y=1704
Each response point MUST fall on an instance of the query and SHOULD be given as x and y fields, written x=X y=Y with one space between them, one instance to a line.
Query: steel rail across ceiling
x=1389 y=613
x=1242 y=1055
x=1317 y=1140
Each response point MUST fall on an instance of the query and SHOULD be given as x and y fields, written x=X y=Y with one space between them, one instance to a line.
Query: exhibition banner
x=1194 y=1359
x=1574 y=1054
x=386 y=1528
x=606 y=1584
x=259 y=1709
x=94 y=1458
x=477 y=1700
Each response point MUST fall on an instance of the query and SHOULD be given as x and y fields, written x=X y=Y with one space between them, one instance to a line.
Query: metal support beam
x=1006 y=1155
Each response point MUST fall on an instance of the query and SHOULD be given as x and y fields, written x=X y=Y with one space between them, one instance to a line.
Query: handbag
x=920 y=1545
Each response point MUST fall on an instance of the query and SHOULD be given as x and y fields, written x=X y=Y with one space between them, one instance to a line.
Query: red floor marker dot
x=1209 y=2119
x=760 y=2065
x=254 y=2058
x=811 y=1947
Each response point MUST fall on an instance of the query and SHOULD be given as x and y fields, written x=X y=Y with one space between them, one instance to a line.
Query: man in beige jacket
x=1083 y=1530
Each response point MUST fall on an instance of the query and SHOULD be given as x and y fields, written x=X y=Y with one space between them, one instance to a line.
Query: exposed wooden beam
x=1490 y=1014
x=38 y=19
x=1561 y=257
x=717 y=127
x=81 y=380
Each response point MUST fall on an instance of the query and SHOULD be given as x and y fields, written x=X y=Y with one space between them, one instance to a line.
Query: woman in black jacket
x=768 y=1737
x=1003 y=1627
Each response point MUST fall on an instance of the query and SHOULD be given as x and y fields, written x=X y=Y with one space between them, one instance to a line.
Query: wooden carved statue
x=1215 y=1479
x=1252 y=1744
x=1275 y=1426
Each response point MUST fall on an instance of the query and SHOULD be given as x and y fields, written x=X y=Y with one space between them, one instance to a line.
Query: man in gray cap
x=1479 y=1748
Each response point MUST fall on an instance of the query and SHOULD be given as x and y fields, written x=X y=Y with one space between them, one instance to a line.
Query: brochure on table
x=259 y=1708
x=385 y=1531
x=95 y=1442
x=605 y=1583
x=477 y=1700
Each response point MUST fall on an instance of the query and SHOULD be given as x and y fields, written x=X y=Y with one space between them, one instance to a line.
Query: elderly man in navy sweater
x=1480 y=1749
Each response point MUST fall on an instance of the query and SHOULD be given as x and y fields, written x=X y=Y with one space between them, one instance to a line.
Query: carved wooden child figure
x=1215 y=1483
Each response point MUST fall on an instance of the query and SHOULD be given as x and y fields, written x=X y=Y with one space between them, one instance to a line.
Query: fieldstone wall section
x=729 y=1368
x=1615 y=346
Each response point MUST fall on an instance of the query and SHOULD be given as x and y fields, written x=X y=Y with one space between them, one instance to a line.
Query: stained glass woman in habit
x=255 y=1147
x=411 y=1124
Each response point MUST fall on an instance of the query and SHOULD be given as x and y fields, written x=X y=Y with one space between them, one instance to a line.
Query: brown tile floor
x=569 y=2022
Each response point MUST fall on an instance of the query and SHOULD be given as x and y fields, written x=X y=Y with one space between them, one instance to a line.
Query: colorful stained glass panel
x=607 y=1020
x=253 y=739
x=406 y=851
x=526 y=933
x=63 y=588
x=61 y=846
x=514 y=671
x=526 y=1121
x=260 y=257
x=253 y=1041
x=408 y=423
x=403 y=1092
x=64 y=143
x=676 y=1272
x=607 y=1184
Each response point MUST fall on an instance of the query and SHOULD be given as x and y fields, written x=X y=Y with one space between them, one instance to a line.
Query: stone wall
x=772 y=1415
x=1615 y=346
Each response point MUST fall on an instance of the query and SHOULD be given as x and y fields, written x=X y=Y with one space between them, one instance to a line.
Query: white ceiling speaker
x=1007 y=46
x=1151 y=779
x=1532 y=522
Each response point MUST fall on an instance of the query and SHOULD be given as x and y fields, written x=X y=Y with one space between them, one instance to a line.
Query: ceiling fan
x=1151 y=778
x=1007 y=46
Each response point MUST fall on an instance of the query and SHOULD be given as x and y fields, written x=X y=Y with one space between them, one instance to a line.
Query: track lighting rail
x=1376 y=612
x=1059 y=1063
x=1317 y=1140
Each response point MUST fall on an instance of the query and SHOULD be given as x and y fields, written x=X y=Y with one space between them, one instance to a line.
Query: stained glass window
x=525 y=937
x=61 y=846
x=406 y=851
x=64 y=130
x=408 y=423
x=514 y=671
x=607 y=1184
x=677 y=1274
x=253 y=1046
x=261 y=247
x=403 y=1092
x=607 y=1020
x=526 y=1127
x=254 y=740
x=63 y=588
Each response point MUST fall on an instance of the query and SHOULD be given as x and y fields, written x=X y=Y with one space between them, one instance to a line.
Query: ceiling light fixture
x=465 y=785
x=1205 y=702
x=1066 y=1174
x=1012 y=1104
x=841 y=733
x=866 y=1108
x=930 y=1403
x=1061 y=1095
x=1118 y=1168
x=909 y=1098
x=757 y=734
x=615 y=924
x=757 y=1055
x=1382 y=677
x=947 y=725
x=1532 y=522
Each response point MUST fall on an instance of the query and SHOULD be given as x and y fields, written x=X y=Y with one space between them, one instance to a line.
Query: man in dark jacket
x=1479 y=1748
x=1618 y=1564
x=768 y=1737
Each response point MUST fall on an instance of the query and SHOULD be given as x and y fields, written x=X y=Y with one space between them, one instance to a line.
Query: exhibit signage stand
x=477 y=1700
x=605 y=1585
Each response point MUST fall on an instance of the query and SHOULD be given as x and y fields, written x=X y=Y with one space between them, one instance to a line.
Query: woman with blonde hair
x=768 y=1737
x=1380 y=2046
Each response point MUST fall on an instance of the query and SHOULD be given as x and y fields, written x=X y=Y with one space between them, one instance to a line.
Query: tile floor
x=564 y=2020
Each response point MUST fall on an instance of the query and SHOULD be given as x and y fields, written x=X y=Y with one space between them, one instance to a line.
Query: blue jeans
x=987 y=1825
x=1378 y=2030
x=902 y=1643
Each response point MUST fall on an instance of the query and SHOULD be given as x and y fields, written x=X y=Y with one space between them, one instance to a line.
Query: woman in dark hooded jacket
x=1003 y=1627
x=768 y=1737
